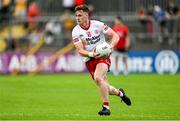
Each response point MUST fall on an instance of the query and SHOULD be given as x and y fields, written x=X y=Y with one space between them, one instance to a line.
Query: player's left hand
x=112 y=49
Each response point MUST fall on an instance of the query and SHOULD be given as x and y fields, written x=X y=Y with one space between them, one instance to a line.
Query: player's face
x=116 y=21
x=81 y=17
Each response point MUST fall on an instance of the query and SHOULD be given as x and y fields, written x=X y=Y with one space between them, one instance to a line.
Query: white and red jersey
x=90 y=36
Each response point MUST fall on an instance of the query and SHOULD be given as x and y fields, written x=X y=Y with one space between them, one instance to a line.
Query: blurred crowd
x=23 y=23
x=156 y=20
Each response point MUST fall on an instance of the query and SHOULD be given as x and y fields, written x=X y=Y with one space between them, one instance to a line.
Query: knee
x=98 y=80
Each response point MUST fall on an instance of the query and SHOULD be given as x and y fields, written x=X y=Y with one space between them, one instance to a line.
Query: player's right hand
x=97 y=55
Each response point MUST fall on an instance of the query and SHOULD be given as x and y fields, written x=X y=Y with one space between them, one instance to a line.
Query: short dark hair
x=82 y=7
x=119 y=18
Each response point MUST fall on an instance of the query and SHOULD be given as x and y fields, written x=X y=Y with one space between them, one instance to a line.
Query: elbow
x=80 y=51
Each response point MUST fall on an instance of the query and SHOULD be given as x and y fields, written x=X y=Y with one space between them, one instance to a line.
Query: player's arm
x=80 y=48
x=127 y=40
x=114 y=38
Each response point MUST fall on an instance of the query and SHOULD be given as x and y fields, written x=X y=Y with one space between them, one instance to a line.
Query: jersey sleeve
x=103 y=27
x=75 y=36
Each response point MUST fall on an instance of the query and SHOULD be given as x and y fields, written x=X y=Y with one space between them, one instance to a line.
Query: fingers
x=111 y=51
x=96 y=55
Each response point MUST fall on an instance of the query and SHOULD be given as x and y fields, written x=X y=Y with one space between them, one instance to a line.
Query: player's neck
x=86 y=25
x=120 y=25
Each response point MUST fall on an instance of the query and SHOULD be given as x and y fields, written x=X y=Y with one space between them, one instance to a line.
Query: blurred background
x=35 y=35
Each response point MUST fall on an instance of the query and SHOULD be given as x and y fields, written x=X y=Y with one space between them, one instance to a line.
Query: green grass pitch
x=76 y=97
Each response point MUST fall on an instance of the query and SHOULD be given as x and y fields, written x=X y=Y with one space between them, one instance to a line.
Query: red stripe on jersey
x=75 y=40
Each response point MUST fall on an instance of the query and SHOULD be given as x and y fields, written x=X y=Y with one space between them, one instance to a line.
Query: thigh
x=91 y=66
x=101 y=70
x=98 y=67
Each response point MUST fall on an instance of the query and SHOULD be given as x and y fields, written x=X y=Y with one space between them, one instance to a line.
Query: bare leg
x=112 y=90
x=100 y=72
x=116 y=70
x=125 y=60
x=126 y=63
x=106 y=89
x=116 y=63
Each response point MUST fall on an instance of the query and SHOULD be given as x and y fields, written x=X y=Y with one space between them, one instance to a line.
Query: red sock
x=106 y=104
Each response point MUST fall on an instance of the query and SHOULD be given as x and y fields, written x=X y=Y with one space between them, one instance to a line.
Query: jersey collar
x=86 y=28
